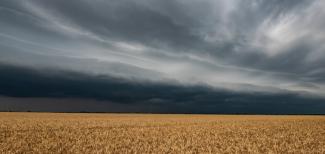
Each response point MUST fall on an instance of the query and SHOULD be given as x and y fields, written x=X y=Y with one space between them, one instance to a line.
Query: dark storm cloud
x=114 y=94
x=258 y=46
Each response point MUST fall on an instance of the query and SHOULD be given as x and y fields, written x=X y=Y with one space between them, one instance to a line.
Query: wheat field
x=151 y=133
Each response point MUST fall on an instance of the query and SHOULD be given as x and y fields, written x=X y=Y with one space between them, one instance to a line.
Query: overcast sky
x=173 y=55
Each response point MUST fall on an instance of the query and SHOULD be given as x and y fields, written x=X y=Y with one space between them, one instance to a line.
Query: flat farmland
x=159 y=133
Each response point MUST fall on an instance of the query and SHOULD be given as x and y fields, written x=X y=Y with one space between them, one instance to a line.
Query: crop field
x=151 y=133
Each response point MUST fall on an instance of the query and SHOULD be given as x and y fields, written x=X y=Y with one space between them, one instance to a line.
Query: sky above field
x=197 y=56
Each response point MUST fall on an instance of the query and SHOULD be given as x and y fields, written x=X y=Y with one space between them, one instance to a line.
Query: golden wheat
x=145 y=133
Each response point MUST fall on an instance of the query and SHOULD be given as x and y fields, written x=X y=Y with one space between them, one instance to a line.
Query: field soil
x=155 y=133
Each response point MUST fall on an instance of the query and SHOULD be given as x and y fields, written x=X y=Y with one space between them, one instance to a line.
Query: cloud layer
x=273 y=47
x=31 y=89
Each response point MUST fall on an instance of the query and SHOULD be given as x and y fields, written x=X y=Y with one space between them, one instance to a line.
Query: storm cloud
x=181 y=55
x=33 y=90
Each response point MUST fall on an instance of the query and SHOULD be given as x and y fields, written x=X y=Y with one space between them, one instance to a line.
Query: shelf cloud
x=221 y=53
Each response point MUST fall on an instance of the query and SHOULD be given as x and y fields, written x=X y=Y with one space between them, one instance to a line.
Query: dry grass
x=138 y=133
